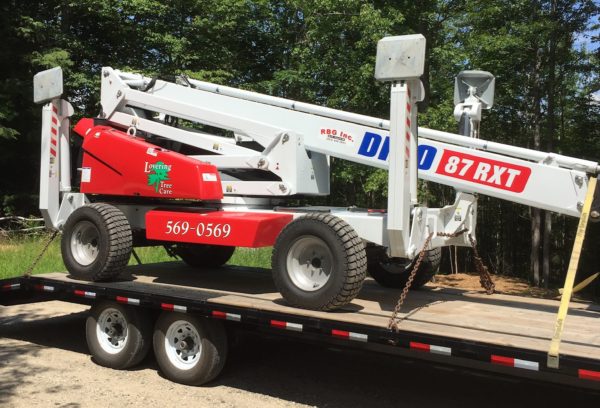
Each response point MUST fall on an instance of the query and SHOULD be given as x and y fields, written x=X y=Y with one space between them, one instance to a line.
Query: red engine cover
x=116 y=163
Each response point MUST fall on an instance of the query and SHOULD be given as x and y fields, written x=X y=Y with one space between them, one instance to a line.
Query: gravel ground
x=44 y=363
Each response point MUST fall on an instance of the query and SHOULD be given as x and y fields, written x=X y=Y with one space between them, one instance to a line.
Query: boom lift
x=203 y=168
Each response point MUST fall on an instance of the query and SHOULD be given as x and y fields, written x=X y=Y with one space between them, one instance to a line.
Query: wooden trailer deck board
x=501 y=320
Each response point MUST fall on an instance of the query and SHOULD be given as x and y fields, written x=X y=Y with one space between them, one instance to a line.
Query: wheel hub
x=111 y=330
x=182 y=344
x=85 y=242
x=309 y=263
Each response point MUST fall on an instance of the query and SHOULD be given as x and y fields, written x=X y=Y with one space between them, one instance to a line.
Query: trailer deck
x=507 y=333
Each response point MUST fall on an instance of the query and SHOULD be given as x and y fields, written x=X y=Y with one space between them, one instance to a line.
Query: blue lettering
x=385 y=149
x=425 y=156
x=370 y=144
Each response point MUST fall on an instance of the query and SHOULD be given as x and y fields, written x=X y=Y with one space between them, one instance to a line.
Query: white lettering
x=481 y=173
x=512 y=174
x=497 y=176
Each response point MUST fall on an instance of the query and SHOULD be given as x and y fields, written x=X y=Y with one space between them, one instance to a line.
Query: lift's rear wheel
x=118 y=336
x=203 y=255
x=188 y=349
x=319 y=262
x=394 y=273
x=96 y=242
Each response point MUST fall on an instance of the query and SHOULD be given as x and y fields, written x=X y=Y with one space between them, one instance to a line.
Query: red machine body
x=116 y=163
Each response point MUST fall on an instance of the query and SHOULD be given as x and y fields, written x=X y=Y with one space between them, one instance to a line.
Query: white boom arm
x=544 y=180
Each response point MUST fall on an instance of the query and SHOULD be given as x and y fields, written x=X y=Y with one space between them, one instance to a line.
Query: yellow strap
x=570 y=279
x=583 y=284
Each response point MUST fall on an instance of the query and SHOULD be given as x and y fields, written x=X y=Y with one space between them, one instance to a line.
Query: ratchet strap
x=583 y=284
x=553 y=352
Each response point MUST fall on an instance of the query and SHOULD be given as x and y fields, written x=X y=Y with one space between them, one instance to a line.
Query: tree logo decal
x=160 y=173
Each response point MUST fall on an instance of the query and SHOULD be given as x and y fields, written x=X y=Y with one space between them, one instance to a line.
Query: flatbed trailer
x=500 y=333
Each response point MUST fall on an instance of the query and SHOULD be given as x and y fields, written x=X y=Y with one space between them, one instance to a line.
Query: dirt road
x=44 y=363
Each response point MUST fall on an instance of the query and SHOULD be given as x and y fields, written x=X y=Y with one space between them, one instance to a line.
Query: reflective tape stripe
x=173 y=308
x=83 y=293
x=286 y=325
x=419 y=346
x=515 y=362
x=11 y=286
x=358 y=336
x=349 y=335
x=527 y=365
x=227 y=316
x=340 y=333
x=129 y=301
x=44 y=288
x=430 y=348
x=445 y=351
x=505 y=361
x=589 y=375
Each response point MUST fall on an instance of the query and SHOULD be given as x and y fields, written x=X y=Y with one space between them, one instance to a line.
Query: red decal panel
x=243 y=229
x=492 y=173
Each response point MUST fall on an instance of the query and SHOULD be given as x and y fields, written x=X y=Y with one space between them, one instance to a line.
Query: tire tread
x=355 y=260
x=119 y=250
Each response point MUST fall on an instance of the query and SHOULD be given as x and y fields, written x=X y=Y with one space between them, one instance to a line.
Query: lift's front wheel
x=319 y=262
x=188 y=349
x=118 y=336
x=96 y=242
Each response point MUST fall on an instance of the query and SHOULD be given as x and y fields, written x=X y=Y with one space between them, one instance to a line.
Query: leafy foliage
x=160 y=172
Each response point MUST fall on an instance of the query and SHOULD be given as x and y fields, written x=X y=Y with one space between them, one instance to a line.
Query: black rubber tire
x=139 y=336
x=378 y=264
x=203 y=255
x=349 y=262
x=114 y=244
x=213 y=352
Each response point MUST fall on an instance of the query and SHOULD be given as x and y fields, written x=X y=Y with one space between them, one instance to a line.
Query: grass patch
x=254 y=257
x=17 y=254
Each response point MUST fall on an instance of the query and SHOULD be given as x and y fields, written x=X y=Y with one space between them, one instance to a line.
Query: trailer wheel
x=203 y=255
x=118 y=336
x=319 y=262
x=96 y=242
x=394 y=273
x=189 y=350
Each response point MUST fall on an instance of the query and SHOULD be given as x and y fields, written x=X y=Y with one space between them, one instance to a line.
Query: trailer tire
x=204 y=255
x=96 y=242
x=379 y=266
x=118 y=336
x=319 y=262
x=195 y=359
